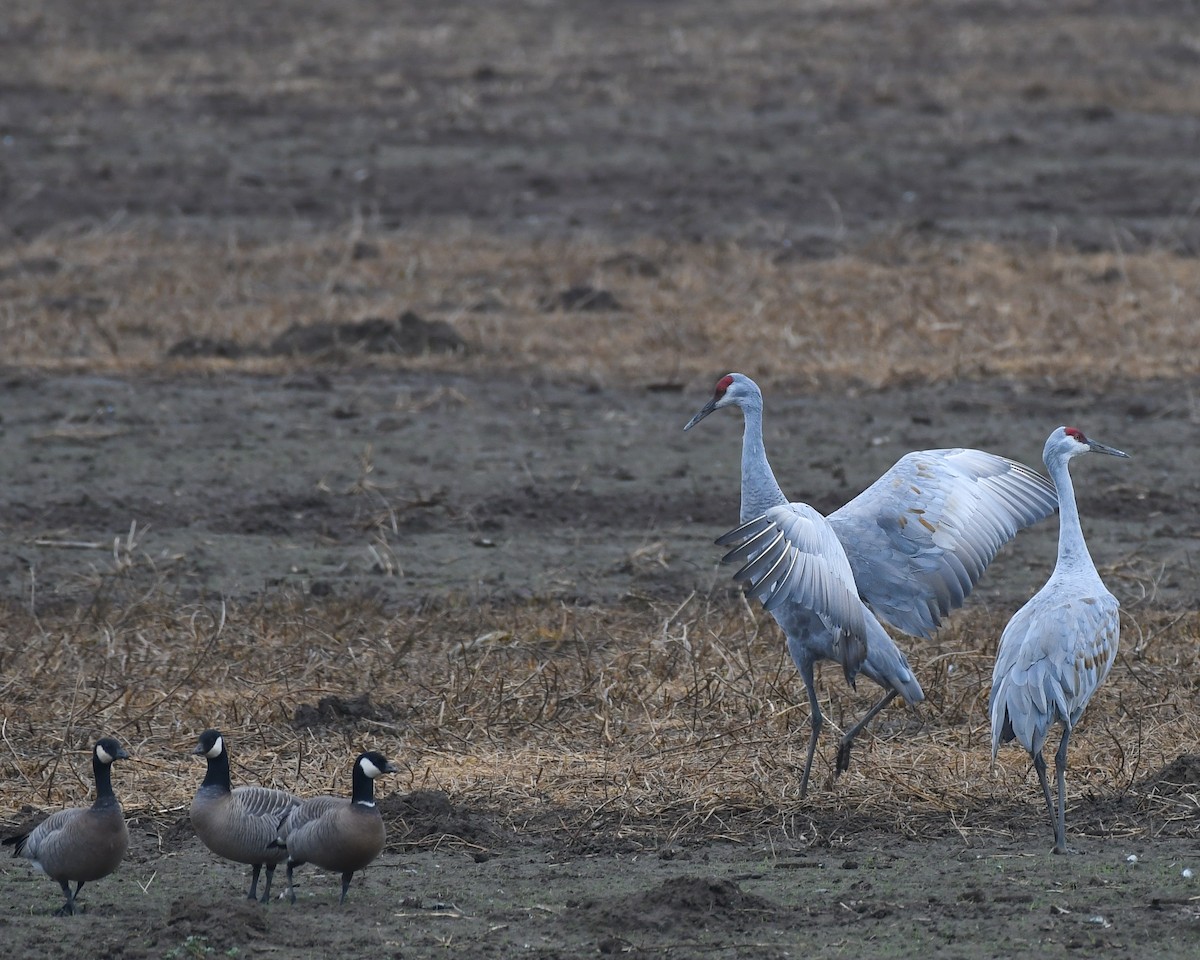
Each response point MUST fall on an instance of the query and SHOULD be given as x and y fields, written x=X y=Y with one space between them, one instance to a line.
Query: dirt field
x=240 y=490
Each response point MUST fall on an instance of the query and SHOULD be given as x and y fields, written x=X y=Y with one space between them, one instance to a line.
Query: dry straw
x=654 y=724
x=894 y=309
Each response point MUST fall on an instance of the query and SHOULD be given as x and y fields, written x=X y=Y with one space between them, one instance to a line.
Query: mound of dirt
x=582 y=299
x=682 y=902
x=223 y=347
x=409 y=336
x=213 y=929
x=431 y=813
x=1181 y=775
x=335 y=710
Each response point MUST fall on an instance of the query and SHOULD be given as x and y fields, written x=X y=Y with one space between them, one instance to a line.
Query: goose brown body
x=338 y=833
x=238 y=824
x=84 y=843
x=335 y=833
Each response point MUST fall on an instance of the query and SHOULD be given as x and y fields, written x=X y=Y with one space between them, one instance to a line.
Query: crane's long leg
x=843 y=754
x=806 y=671
x=1060 y=769
x=1039 y=764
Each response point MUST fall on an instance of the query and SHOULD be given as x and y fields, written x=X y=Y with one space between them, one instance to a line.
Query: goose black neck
x=103 y=774
x=217 y=774
x=363 y=787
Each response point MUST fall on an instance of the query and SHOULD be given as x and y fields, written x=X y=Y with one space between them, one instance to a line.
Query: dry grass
x=651 y=723
x=895 y=310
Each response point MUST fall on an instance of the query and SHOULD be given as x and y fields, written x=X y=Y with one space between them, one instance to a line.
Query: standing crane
x=907 y=550
x=1059 y=647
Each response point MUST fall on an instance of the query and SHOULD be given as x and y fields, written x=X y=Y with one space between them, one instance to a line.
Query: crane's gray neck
x=1072 y=549
x=104 y=791
x=760 y=490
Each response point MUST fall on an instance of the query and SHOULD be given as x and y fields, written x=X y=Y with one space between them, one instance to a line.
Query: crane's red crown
x=1075 y=434
x=722 y=385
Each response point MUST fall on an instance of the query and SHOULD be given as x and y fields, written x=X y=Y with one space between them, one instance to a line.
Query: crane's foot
x=843 y=756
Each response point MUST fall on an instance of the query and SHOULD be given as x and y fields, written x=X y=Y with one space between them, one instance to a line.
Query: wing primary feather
x=753 y=548
x=781 y=590
x=765 y=559
x=744 y=531
x=772 y=561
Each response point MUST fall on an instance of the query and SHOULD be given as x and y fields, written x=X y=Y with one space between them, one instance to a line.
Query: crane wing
x=791 y=555
x=919 y=538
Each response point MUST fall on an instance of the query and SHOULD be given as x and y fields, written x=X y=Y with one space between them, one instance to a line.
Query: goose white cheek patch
x=369 y=768
x=103 y=755
x=217 y=749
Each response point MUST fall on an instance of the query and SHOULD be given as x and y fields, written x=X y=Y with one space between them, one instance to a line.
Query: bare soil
x=163 y=461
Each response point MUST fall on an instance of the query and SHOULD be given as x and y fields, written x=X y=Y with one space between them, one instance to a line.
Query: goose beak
x=121 y=754
x=390 y=767
x=199 y=751
x=1111 y=451
x=703 y=412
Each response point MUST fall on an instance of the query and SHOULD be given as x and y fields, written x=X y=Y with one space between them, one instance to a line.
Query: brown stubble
x=653 y=723
x=897 y=309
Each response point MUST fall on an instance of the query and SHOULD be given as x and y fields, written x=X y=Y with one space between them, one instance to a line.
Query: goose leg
x=291 y=891
x=1060 y=769
x=68 y=908
x=345 y=885
x=843 y=754
x=253 y=894
x=270 y=876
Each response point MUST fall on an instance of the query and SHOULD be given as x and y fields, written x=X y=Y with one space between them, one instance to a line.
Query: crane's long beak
x=1111 y=451
x=703 y=412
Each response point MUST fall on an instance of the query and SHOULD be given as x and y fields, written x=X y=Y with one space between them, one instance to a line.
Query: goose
x=239 y=825
x=336 y=833
x=82 y=843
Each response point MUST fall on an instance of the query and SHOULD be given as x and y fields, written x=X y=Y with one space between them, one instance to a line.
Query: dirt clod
x=431 y=813
x=410 y=335
x=1181 y=775
x=582 y=299
x=682 y=901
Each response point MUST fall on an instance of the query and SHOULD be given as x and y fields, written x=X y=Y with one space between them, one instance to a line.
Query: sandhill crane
x=1059 y=647
x=907 y=550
